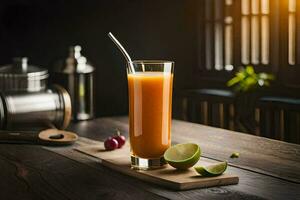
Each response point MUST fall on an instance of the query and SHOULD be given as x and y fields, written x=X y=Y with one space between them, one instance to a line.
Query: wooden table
x=268 y=169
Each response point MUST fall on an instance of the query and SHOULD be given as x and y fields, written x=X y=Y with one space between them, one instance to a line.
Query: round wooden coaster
x=57 y=137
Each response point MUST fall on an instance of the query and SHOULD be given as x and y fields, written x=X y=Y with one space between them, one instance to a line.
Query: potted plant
x=245 y=83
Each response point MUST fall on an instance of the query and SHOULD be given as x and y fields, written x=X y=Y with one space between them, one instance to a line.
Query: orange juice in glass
x=150 y=111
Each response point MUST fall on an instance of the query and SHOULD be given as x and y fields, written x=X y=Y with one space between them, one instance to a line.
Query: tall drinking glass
x=150 y=111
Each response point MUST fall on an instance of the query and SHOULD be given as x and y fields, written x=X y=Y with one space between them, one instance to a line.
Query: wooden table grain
x=268 y=169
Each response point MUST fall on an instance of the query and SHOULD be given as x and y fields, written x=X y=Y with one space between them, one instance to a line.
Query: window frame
x=285 y=74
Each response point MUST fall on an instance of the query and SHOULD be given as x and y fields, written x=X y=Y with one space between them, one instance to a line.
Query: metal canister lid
x=74 y=63
x=20 y=76
x=76 y=75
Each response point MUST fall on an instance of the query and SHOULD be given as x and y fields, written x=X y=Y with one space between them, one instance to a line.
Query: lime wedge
x=235 y=155
x=212 y=170
x=183 y=156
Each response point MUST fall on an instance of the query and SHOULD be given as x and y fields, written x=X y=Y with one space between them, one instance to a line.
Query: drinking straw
x=122 y=49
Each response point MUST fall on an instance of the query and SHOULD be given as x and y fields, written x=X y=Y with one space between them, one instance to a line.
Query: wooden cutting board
x=169 y=177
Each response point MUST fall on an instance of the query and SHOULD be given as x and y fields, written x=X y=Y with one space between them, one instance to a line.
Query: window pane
x=255 y=7
x=245 y=7
x=265 y=40
x=219 y=6
x=228 y=2
x=292 y=5
x=228 y=46
x=208 y=46
x=292 y=39
x=254 y=40
x=208 y=10
x=218 y=46
x=265 y=6
x=245 y=44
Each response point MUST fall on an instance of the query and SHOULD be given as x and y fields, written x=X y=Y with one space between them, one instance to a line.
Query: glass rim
x=151 y=61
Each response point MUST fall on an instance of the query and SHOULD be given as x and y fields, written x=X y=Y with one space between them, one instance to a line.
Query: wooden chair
x=279 y=118
x=214 y=107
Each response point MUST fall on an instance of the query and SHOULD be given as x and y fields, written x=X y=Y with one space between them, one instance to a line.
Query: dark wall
x=43 y=31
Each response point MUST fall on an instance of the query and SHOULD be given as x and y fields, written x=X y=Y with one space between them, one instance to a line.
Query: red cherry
x=120 y=138
x=111 y=143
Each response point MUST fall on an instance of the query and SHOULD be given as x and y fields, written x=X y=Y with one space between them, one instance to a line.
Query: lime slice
x=183 y=156
x=212 y=170
x=235 y=155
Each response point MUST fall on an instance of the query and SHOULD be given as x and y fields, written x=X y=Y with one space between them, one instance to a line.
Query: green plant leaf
x=241 y=75
x=233 y=81
x=267 y=83
x=261 y=82
x=270 y=76
x=263 y=75
x=250 y=70
x=246 y=79
x=250 y=81
x=266 y=76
